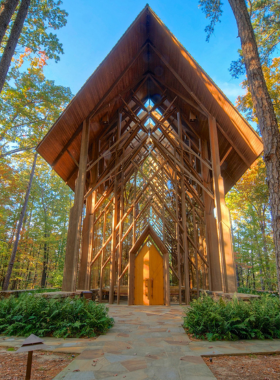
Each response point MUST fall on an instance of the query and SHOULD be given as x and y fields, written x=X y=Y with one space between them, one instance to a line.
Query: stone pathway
x=145 y=343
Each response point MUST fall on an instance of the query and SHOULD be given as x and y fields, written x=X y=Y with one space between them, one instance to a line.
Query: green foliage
x=256 y=292
x=265 y=19
x=43 y=16
x=213 y=12
x=252 y=232
x=234 y=319
x=61 y=318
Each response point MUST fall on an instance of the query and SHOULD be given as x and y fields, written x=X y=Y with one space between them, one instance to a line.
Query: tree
x=262 y=104
x=12 y=41
x=29 y=106
x=30 y=29
x=248 y=202
x=22 y=214
x=6 y=11
x=272 y=78
x=44 y=229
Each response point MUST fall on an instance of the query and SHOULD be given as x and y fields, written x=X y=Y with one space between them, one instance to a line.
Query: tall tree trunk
x=12 y=41
x=266 y=117
x=265 y=251
x=6 y=11
x=260 y=259
x=22 y=214
x=45 y=258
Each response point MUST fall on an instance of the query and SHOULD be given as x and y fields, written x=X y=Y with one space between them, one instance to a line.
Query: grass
x=233 y=319
x=62 y=318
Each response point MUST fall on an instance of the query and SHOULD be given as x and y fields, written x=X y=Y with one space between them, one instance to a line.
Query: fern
x=61 y=318
x=235 y=319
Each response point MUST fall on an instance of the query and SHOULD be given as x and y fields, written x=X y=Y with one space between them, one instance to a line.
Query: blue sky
x=93 y=28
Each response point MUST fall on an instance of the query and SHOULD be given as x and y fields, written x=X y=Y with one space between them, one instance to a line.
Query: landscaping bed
x=235 y=319
x=61 y=318
x=45 y=365
x=248 y=367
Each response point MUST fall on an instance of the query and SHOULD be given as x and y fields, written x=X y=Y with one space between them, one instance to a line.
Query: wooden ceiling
x=148 y=62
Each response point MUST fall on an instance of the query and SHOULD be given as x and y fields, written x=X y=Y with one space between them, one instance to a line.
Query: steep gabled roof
x=148 y=47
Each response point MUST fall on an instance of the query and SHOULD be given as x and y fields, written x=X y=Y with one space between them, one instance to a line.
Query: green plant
x=257 y=292
x=233 y=319
x=62 y=318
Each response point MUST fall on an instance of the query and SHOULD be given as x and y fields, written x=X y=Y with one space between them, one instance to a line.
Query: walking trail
x=146 y=342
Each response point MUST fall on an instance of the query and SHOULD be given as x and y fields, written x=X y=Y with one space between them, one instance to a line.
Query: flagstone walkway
x=145 y=343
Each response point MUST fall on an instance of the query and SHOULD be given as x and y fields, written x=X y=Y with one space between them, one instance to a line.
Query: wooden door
x=148 y=277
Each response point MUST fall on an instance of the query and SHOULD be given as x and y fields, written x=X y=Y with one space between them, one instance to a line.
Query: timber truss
x=150 y=169
x=150 y=143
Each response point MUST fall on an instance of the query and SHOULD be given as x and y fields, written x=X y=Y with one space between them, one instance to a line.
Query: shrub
x=234 y=319
x=61 y=318
x=257 y=292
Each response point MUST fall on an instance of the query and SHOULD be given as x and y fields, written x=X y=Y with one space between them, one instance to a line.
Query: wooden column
x=178 y=240
x=73 y=237
x=226 y=257
x=196 y=244
x=102 y=257
x=114 y=223
x=134 y=210
x=184 y=221
x=215 y=279
x=88 y=227
x=121 y=212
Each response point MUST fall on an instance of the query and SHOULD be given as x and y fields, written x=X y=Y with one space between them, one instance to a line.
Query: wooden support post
x=134 y=210
x=113 y=244
x=121 y=211
x=73 y=237
x=120 y=243
x=184 y=222
x=223 y=221
x=29 y=365
x=88 y=227
x=114 y=224
x=178 y=240
x=163 y=219
x=196 y=254
x=102 y=258
x=214 y=271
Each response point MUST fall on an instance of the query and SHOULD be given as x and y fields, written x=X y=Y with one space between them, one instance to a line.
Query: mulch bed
x=253 y=367
x=45 y=365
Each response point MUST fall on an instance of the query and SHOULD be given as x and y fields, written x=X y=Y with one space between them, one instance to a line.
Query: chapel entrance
x=149 y=276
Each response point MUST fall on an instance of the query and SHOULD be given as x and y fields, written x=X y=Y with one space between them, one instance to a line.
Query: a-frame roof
x=149 y=48
x=149 y=231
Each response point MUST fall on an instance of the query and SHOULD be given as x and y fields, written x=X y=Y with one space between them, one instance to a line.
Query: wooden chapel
x=150 y=146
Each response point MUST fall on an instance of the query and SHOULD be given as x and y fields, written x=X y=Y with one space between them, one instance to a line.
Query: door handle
x=146 y=286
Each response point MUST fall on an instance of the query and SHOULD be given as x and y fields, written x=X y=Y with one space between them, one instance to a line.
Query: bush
x=257 y=292
x=61 y=318
x=235 y=319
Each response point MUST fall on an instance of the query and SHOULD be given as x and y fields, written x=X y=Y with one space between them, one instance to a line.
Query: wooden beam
x=116 y=82
x=88 y=230
x=121 y=212
x=184 y=223
x=66 y=146
x=180 y=80
x=73 y=236
x=178 y=240
x=225 y=156
x=102 y=258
